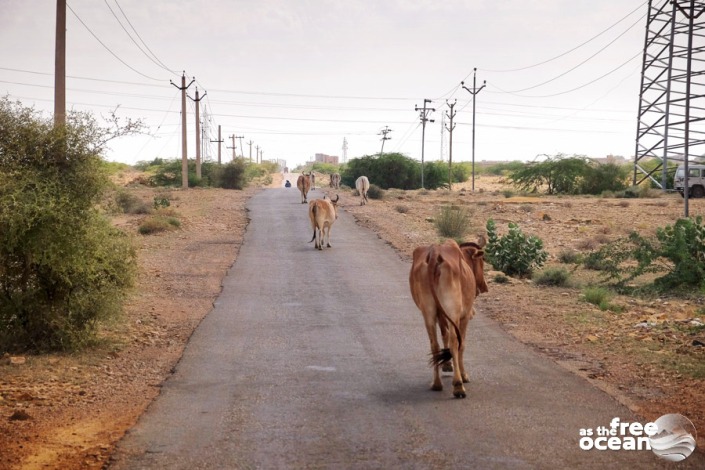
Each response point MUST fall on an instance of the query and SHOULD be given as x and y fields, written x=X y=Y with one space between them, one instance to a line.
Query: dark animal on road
x=322 y=213
x=304 y=185
x=362 y=184
x=445 y=280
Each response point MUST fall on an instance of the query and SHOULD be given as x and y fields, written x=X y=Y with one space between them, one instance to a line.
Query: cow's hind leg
x=458 y=389
x=443 y=326
x=430 y=321
x=461 y=353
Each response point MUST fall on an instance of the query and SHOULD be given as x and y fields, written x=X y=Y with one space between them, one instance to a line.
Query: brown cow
x=304 y=184
x=444 y=281
x=335 y=180
x=322 y=213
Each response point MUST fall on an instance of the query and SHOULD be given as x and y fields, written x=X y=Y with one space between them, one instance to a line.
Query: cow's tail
x=313 y=209
x=435 y=261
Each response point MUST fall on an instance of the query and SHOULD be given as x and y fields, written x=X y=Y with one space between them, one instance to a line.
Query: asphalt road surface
x=319 y=360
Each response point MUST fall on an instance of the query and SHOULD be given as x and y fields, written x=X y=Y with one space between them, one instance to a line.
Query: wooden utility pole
x=450 y=128
x=184 y=140
x=60 y=65
x=197 y=100
x=257 y=153
x=473 y=92
x=242 y=149
x=220 y=141
x=424 y=118
x=232 y=138
x=250 y=144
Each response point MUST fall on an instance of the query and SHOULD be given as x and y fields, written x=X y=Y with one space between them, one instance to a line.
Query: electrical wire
x=107 y=48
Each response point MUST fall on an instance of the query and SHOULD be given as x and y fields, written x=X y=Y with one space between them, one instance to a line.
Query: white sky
x=295 y=77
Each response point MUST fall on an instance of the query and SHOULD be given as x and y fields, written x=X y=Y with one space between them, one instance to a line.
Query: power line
x=108 y=49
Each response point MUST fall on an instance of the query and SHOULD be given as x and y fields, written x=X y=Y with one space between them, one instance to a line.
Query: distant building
x=323 y=158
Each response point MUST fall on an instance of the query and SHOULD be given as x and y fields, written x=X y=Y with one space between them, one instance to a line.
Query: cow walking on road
x=335 y=180
x=362 y=184
x=322 y=213
x=445 y=280
x=304 y=185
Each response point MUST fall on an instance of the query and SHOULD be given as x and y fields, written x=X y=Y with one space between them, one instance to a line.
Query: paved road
x=318 y=360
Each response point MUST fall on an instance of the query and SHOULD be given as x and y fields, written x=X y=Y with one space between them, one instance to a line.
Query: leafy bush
x=452 y=222
x=514 y=254
x=161 y=201
x=569 y=257
x=63 y=267
x=557 y=277
x=232 y=176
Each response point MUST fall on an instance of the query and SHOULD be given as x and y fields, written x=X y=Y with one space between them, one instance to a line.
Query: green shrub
x=402 y=209
x=514 y=254
x=452 y=222
x=158 y=224
x=501 y=279
x=375 y=192
x=161 y=201
x=599 y=296
x=63 y=267
x=557 y=277
x=232 y=175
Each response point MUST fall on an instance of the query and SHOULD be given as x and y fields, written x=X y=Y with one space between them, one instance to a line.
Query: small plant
x=375 y=192
x=569 y=257
x=452 y=222
x=507 y=193
x=158 y=224
x=402 y=209
x=501 y=279
x=514 y=254
x=526 y=208
x=161 y=201
x=556 y=277
x=599 y=296
x=131 y=204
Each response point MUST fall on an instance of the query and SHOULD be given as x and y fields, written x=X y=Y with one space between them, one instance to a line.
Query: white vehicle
x=696 y=180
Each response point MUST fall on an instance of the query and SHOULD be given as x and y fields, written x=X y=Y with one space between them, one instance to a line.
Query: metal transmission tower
x=423 y=114
x=671 y=121
x=345 y=150
x=384 y=133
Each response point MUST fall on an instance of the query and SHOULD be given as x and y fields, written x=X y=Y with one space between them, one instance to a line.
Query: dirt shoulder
x=68 y=411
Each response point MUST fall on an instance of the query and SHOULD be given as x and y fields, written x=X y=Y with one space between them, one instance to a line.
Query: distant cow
x=322 y=213
x=362 y=185
x=445 y=280
x=313 y=180
x=304 y=185
x=335 y=180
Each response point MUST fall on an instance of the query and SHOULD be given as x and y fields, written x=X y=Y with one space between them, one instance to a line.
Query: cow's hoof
x=447 y=367
x=437 y=387
x=466 y=378
x=458 y=390
x=329 y=245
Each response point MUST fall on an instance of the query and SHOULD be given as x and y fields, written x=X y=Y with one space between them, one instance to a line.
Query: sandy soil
x=68 y=411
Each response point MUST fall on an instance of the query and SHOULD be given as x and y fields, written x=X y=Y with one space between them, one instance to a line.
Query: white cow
x=362 y=184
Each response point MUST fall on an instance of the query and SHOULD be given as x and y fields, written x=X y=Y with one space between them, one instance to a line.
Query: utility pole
x=242 y=149
x=220 y=141
x=184 y=148
x=232 y=137
x=384 y=133
x=424 y=117
x=197 y=100
x=60 y=65
x=450 y=128
x=345 y=150
x=473 y=92
x=250 y=144
x=257 y=153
